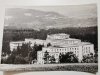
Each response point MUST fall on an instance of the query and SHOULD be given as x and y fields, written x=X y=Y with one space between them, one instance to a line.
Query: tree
x=17 y=55
x=49 y=44
x=52 y=59
x=24 y=49
x=34 y=51
x=89 y=58
x=75 y=60
x=46 y=57
x=69 y=57
x=40 y=47
x=30 y=57
x=6 y=47
x=10 y=59
x=19 y=60
x=96 y=57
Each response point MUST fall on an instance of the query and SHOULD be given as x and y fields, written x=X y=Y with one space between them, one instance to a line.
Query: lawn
x=83 y=67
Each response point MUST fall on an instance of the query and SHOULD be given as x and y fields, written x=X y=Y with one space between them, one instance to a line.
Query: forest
x=88 y=34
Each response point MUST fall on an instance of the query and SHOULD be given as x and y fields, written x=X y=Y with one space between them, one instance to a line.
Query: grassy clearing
x=83 y=67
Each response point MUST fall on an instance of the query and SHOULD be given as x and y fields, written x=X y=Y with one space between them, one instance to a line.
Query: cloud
x=27 y=14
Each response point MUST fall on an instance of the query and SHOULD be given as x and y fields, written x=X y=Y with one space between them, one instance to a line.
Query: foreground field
x=48 y=73
x=83 y=67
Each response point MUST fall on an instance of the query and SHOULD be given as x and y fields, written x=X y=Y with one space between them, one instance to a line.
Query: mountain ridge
x=37 y=19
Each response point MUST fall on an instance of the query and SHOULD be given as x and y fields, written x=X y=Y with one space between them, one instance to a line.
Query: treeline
x=88 y=34
x=70 y=57
x=27 y=54
x=24 y=54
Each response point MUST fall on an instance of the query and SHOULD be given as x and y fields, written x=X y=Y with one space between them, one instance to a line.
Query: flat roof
x=65 y=39
x=59 y=34
x=17 y=42
x=34 y=39
x=74 y=45
x=71 y=39
x=86 y=43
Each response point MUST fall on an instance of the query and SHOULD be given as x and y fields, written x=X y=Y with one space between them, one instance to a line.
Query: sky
x=51 y=15
x=68 y=10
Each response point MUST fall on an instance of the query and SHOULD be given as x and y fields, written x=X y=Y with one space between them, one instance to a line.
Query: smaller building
x=40 y=59
x=31 y=41
x=35 y=41
x=14 y=45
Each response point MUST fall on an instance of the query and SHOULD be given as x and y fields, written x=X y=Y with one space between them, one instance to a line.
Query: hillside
x=21 y=18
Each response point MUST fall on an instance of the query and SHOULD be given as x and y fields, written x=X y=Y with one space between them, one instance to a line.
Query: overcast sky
x=77 y=11
x=87 y=13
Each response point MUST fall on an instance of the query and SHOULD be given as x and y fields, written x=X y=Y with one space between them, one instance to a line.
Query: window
x=89 y=48
x=86 y=48
x=61 y=49
x=65 y=49
x=86 y=51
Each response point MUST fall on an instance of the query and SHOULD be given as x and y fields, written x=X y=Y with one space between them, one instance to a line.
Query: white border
x=10 y=3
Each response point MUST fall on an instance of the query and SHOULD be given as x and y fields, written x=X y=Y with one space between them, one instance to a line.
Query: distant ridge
x=18 y=18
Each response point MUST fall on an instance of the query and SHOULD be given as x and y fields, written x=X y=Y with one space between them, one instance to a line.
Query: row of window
x=63 y=50
x=86 y=50
x=65 y=42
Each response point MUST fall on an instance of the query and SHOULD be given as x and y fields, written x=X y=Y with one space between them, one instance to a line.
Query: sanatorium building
x=60 y=43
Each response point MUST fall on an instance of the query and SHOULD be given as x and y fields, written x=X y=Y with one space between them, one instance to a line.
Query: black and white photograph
x=50 y=38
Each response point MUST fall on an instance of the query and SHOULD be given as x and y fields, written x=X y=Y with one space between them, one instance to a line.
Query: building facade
x=14 y=45
x=62 y=43
x=34 y=41
x=59 y=44
x=31 y=41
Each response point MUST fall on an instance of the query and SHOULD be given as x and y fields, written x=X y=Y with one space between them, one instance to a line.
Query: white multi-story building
x=14 y=45
x=35 y=41
x=62 y=43
x=31 y=41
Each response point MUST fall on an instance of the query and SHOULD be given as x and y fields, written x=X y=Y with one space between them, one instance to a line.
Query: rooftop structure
x=58 y=36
